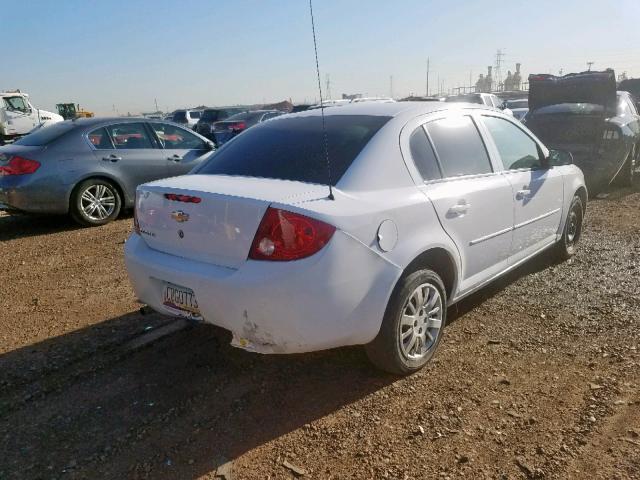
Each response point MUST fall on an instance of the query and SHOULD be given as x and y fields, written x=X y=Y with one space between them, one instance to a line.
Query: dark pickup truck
x=584 y=114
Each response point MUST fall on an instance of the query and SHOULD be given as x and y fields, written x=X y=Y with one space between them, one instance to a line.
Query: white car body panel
x=338 y=296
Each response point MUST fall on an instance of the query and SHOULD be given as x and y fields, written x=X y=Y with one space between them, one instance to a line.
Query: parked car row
x=388 y=212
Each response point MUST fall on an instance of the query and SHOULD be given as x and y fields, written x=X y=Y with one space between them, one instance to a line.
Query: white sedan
x=430 y=201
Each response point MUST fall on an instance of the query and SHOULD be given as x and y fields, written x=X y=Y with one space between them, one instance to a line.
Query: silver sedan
x=90 y=168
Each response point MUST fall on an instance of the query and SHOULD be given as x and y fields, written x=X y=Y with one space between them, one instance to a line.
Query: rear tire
x=95 y=202
x=412 y=325
x=567 y=246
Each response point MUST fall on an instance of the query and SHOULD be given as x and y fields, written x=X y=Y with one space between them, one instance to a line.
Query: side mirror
x=558 y=158
x=211 y=146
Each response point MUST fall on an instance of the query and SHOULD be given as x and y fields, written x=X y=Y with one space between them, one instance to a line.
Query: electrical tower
x=498 y=70
x=589 y=64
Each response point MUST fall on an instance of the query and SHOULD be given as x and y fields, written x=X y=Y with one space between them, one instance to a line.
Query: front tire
x=628 y=170
x=567 y=246
x=412 y=324
x=95 y=202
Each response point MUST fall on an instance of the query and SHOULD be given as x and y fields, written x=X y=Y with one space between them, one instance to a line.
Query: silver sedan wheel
x=421 y=321
x=98 y=202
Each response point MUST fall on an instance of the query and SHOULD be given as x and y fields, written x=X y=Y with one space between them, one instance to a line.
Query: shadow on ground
x=14 y=226
x=174 y=408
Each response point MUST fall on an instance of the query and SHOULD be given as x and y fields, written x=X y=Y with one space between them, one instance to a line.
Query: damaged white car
x=429 y=202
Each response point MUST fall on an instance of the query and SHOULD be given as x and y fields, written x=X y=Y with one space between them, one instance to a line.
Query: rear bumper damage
x=334 y=298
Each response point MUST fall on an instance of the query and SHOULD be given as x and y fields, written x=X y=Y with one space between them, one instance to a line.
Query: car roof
x=395 y=109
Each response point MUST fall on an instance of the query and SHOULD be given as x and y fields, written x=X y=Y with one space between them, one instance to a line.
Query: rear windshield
x=196 y=114
x=524 y=103
x=210 y=115
x=294 y=149
x=46 y=135
x=571 y=108
x=465 y=98
x=180 y=117
x=245 y=116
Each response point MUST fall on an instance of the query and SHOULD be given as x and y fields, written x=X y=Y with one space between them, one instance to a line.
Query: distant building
x=485 y=84
x=513 y=82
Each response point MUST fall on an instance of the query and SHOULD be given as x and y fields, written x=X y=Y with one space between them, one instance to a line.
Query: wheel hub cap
x=421 y=321
x=98 y=202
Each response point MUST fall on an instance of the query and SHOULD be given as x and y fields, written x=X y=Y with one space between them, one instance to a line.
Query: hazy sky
x=193 y=52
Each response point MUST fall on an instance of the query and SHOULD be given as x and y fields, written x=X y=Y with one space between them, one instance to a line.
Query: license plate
x=181 y=300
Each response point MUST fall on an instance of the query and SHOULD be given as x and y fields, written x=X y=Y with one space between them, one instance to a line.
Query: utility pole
x=471 y=80
x=561 y=71
x=438 y=84
x=328 y=87
x=589 y=64
x=427 y=76
x=498 y=73
x=391 y=86
x=156 y=101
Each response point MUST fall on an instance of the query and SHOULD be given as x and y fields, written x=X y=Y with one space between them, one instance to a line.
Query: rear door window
x=423 y=155
x=100 y=139
x=459 y=146
x=176 y=138
x=517 y=149
x=129 y=136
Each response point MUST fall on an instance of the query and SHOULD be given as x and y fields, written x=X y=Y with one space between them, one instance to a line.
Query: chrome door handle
x=524 y=193
x=112 y=158
x=174 y=158
x=459 y=209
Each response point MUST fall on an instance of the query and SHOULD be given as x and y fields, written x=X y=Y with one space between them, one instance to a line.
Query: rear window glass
x=247 y=117
x=46 y=135
x=195 y=114
x=459 y=147
x=100 y=139
x=423 y=155
x=210 y=115
x=571 y=108
x=465 y=99
x=294 y=148
x=524 y=103
x=180 y=117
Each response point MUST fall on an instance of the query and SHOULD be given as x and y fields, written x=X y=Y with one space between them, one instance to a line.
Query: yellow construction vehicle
x=70 y=111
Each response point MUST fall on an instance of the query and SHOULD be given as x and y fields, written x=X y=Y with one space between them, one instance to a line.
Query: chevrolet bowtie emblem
x=179 y=216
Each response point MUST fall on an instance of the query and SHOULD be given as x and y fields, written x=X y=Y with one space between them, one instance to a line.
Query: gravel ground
x=537 y=377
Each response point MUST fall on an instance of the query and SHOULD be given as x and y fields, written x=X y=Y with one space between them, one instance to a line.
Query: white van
x=18 y=117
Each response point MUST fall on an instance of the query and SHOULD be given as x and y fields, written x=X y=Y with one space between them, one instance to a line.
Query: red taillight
x=238 y=126
x=284 y=236
x=19 y=166
x=182 y=198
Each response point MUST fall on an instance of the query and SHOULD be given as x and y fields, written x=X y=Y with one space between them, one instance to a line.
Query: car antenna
x=324 y=128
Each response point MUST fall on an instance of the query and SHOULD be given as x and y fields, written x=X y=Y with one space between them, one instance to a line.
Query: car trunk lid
x=212 y=218
x=597 y=88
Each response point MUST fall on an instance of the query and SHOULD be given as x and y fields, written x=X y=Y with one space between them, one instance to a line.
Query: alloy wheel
x=98 y=202
x=421 y=321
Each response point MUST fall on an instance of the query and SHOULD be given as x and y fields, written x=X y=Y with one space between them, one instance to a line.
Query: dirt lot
x=538 y=376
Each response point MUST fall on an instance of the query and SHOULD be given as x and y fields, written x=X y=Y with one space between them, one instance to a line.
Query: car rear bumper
x=30 y=195
x=334 y=298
